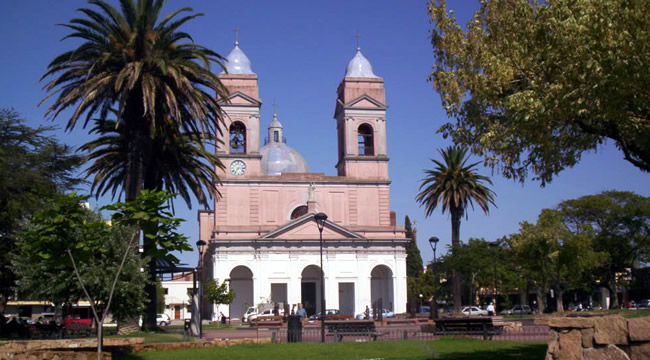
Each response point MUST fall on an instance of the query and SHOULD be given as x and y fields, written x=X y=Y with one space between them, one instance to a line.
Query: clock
x=237 y=168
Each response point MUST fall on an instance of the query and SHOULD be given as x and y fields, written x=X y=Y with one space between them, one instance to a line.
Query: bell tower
x=240 y=150
x=361 y=122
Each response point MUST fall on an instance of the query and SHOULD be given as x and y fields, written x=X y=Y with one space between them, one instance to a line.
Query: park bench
x=339 y=317
x=413 y=321
x=267 y=321
x=340 y=328
x=486 y=327
x=77 y=329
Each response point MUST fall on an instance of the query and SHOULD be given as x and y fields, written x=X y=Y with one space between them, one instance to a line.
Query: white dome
x=279 y=158
x=359 y=66
x=237 y=62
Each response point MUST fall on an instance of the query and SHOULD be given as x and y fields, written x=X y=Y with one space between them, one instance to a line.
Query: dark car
x=645 y=303
x=517 y=310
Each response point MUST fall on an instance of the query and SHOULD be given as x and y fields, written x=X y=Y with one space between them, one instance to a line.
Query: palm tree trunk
x=455 y=241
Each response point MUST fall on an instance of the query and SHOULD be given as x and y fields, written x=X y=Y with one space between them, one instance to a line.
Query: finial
x=358 y=41
x=275 y=109
x=236 y=31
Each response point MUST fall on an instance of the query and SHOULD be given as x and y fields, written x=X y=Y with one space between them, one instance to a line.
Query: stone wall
x=63 y=349
x=595 y=338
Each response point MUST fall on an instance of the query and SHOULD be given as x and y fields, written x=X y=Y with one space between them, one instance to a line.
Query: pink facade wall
x=254 y=207
x=357 y=87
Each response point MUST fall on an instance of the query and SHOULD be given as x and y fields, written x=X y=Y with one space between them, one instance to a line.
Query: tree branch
x=90 y=299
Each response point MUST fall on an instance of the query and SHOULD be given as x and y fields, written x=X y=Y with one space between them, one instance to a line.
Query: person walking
x=301 y=311
x=490 y=309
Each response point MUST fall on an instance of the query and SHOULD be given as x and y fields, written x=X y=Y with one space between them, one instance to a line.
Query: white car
x=385 y=313
x=267 y=312
x=250 y=312
x=473 y=310
x=163 y=319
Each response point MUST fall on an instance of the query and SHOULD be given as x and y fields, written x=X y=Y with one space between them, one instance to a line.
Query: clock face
x=237 y=168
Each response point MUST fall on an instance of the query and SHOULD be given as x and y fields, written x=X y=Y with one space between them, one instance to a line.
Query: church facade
x=262 y=235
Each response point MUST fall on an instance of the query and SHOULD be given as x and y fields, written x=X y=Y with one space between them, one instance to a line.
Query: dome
x=359 y=66
x=279 y=158
x=237 y=62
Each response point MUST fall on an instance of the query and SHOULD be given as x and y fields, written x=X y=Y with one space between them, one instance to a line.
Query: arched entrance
x=310 y=289
x=381 y=287
x=241 y=282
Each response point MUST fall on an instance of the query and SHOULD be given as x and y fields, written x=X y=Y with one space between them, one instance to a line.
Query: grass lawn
x=465 y=349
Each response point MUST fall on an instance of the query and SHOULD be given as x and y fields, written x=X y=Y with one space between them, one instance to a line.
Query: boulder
x=574 y=323
x=610 y=330
x=610 y=352
x=587 y=338
x=570 y=346
x=640 y=351
x=639 y=329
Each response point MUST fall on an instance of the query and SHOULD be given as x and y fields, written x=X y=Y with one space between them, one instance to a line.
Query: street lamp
x=433 y=241
x=495 y=245
x=320 y=221
x=201 y=246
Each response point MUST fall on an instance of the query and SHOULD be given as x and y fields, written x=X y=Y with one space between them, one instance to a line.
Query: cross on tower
x=358 y=40
x=236 y=31
x=275 y=107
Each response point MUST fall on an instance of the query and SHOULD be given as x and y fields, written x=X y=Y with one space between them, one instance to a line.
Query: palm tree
x=161 y=85
x=455 y=186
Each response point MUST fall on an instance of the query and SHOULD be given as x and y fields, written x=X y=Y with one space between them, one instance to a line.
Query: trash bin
x=294 y=328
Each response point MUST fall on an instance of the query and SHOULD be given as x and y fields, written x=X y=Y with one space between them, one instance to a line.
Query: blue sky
x=300 y=49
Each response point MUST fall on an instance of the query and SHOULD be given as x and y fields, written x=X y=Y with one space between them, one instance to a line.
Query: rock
x=587 y=338
x=639 y=329
x=576 y=323
x=640 y=351
x=611 y=352
x=610 y=330
x=570 y=346
x=553 y=343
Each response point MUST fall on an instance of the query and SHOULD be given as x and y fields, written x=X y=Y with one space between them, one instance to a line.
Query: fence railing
x=528 y=333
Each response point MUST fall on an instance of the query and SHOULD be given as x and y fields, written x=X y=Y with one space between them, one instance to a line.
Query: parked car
x=267 y=312
x=327 y=312
x=425 y=309
x=163 y=320
x=76 y=319
x=517 y=310
x=474 y=310
x=645 y=303
x=385 y=313
x=250 y=312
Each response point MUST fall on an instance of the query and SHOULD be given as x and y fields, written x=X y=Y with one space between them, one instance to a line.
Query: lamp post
x=320 y=222
x=495 y=245
x=201 y=246
x=421 y=296
x=433 y=241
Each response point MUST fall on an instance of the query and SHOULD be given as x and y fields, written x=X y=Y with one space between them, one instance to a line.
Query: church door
x=308 y=295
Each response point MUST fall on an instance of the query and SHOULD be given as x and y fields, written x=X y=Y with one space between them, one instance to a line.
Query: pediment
x=305 y=227
x=241 y=99
x=365 y=102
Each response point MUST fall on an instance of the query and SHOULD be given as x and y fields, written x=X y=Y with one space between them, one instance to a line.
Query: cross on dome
x=237 y=62
x=359 y=66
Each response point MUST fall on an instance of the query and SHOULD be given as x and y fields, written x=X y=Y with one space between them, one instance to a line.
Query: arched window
x=298 y=212
x=366 y=141
x=237 y=138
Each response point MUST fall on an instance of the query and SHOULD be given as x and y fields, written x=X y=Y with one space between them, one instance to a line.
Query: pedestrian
x=490 y=309
x=301 y=312
x=367 y=313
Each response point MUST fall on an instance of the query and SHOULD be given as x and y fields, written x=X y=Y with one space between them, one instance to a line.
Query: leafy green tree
x=160 y=296
x=535 y=84
x=218 y=294
x=34 y=167
x=413 y=258
x=455 y=186
x=620 y=221
x=83 y=257
x=159 y=81
x=552 y=256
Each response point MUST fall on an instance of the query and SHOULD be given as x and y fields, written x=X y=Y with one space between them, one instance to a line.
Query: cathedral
x=262 y=234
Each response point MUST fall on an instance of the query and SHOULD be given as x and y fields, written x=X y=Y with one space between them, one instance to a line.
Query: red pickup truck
x=76 y=319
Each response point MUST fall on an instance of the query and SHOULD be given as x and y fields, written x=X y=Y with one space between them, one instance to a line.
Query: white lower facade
x=353 y=279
